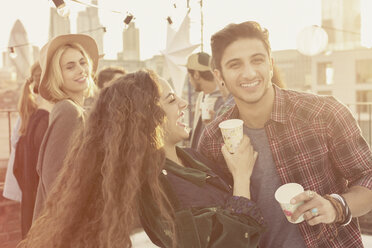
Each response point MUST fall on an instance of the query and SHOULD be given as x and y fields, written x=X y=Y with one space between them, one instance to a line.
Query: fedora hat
x=48 y=50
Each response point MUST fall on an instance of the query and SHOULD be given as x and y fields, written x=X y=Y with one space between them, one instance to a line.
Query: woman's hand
x=241 y=165
x=242 y=161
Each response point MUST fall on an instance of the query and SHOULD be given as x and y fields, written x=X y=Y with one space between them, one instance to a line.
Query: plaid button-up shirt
x=316 y=142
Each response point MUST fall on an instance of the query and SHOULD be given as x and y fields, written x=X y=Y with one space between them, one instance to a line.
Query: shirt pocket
x=306 y=161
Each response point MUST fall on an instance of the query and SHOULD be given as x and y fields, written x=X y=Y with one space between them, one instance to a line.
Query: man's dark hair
x=233 y=32
x=107 y=74
x=206 y=75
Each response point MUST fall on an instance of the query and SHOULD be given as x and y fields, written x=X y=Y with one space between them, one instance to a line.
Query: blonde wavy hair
x=27 y=103
x=96 y=197
x=54 y=82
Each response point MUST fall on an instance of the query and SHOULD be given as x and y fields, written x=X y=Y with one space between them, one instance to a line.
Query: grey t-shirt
x=264 y=182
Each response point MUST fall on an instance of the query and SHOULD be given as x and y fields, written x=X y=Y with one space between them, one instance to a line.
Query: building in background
x=35 y=52
x=294 y=69
x=341 y=19
x=20 y=54
x=128 y=65
x=157 y=64
x=58 y=25
x=347 y=75
x=7 y=75
x=131 y=43
x=88 y=23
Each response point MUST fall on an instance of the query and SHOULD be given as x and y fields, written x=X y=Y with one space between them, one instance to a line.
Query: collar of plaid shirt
x=277 y=114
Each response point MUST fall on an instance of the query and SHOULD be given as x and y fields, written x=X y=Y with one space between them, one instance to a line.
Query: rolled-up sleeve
x=348 y=149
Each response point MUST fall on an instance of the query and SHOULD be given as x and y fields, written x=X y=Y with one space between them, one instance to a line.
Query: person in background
x=125 y=162
x=68 y=63
x=103 y=79
x=108 y=74
x=202 y=80
x=34 y=122
x=12 y=191
x=304 y=138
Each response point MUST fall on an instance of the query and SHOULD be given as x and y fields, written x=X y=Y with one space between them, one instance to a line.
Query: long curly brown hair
x=95 y=199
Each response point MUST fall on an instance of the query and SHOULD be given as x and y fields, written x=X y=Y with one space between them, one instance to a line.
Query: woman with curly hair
x=125 y=163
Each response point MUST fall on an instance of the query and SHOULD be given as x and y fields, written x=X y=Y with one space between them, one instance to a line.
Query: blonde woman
x=67 y=62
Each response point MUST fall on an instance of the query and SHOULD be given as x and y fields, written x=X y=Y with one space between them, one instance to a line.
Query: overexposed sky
x=283 y=18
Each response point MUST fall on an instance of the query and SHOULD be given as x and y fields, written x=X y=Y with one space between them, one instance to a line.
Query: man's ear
x=218 y=75
x=219 y=78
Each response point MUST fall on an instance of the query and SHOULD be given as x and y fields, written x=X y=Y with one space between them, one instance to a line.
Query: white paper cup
x=232 y=133
x=206 y=106
x=284 y=194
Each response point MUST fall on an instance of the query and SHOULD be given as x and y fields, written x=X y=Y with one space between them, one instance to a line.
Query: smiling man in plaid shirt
x=300 y=137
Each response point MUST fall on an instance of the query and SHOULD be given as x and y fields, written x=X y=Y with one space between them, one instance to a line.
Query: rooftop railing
x=8 y=117
x=363 y=113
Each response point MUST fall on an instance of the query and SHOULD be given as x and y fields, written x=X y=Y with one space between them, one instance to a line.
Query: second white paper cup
x=207 y=105
x=284 y=194
x=232 y=133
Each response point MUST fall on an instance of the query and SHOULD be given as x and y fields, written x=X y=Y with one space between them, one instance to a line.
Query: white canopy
x=177 y=50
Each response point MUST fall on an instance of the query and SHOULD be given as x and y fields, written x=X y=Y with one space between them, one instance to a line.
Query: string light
x=169 y=20
x=94 y=29
x=128 y=19
x=62 y=9
x=312 y=40
x=95 y=6
x=12 y=53
x=58 y=3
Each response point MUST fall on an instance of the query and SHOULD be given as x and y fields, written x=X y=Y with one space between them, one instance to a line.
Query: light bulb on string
x=128 y=18
x=63 y=11
x=312 y=40
x=12 y=53
x=62 y=8
x=169 y=19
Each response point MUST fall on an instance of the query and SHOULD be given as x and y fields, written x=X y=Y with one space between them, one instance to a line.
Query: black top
x=206 y=213
x=25 y=161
